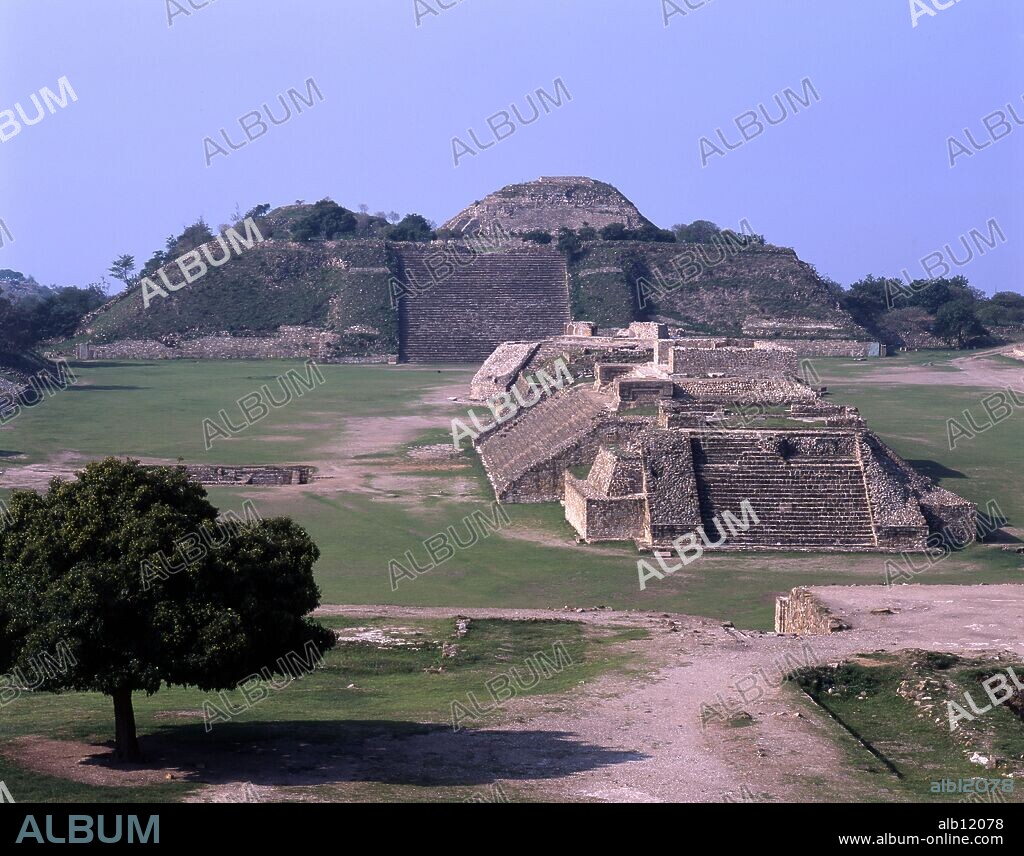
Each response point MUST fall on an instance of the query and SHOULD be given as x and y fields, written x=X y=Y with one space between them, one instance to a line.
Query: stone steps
x=807 y=499
x=518 y=294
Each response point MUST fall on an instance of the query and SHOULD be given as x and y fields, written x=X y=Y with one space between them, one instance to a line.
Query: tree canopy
x=73 y=568
x=327 y=221
x=412 y=227
x=54 y=315
x=947 y=308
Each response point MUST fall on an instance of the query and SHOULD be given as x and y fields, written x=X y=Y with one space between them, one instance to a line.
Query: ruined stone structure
x=801 y=613
x=737 y=431
x=708 y=362
x=609 y=505
x=526 y=458
x=290 y=343
x=832 y=347
x=584 y=347
x=369 y=299
x=580 y=328
x=264 y=476
x=823 y=489
x=547 y=204
x=461 y=313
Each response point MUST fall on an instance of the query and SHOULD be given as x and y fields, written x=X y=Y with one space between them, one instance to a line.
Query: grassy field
x=913 y=750
x=403 y=686
x=382 y=503
x=156 y=410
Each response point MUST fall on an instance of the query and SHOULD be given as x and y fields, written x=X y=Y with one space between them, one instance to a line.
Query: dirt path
x=646 y=738
x=703 y=716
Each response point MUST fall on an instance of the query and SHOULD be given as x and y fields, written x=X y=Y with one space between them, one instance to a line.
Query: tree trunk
x=126 y=741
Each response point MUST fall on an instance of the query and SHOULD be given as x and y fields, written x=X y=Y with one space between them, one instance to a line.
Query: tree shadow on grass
x=305 y=753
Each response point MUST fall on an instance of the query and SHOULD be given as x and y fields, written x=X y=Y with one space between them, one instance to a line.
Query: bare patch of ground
x=708 y=719
x=62 y=465
x=974 y=370
x=90 y=763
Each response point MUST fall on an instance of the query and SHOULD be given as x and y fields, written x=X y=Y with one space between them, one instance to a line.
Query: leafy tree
x=54 y=315
x=615 y=232
x=327 y=221
x=412 y=227
x=537 y=236
x=931 y=295
x=123 y=270
x=257 y=211
x=868 y=298
x=649 y=232
x=58 y=314
x=958 y=322
x=156 y=261
x=71 y=577
x=193 y=237
x=587 y=233
x=1004 y=307
x=697 y=232
x=15 y=336
x=570 y=244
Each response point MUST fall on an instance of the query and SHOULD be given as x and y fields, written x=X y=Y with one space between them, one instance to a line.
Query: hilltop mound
x=548 y=204
x=294 y=294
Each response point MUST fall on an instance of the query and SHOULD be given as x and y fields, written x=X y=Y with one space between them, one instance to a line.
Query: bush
x=327 y=221
x=615 y=232
x=570 y=244
x=538 y=236
x=412 y=227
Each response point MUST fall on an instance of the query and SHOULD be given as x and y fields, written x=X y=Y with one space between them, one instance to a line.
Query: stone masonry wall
x=545 y=481
x=732 y=361
x=289 y=343
x=602 y=518
x=256 y=475
x=827 y=347
x=801 y=613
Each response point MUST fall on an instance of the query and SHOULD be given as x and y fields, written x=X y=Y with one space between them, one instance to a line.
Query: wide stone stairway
x=517 y=294
x=808 y=493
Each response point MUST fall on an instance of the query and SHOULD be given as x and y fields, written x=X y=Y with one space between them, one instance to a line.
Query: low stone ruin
x=288 y=343
x=656 y=449
x=262 y=476
x=583 y=346
x=803 y=614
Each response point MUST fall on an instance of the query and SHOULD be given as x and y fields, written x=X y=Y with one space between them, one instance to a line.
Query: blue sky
x=858 y=182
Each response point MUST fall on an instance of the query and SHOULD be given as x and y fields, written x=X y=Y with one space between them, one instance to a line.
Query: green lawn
x=156 y=410
x=915 y=750
x=361 y=691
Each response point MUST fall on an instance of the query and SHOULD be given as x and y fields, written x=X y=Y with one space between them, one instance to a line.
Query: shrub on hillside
x=327 y=221
x=412 y=227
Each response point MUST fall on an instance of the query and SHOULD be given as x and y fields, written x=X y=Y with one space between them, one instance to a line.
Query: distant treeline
x=948 y=309
x=51 y=314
